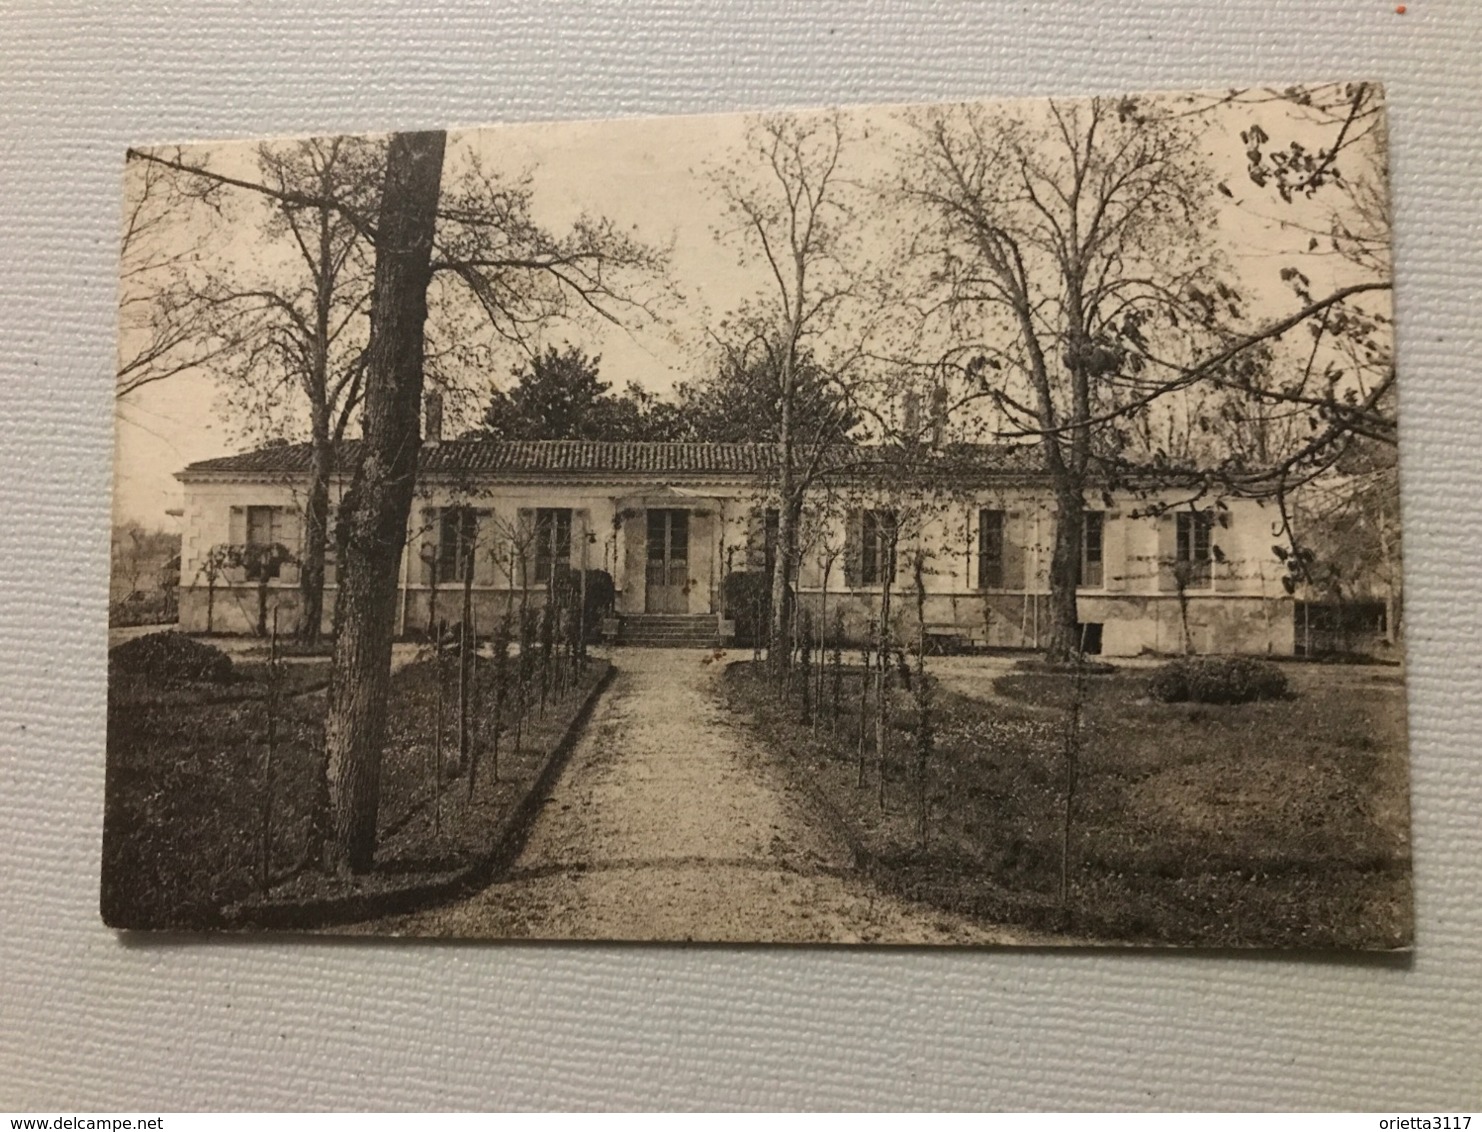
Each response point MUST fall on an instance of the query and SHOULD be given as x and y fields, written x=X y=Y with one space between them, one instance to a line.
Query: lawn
x=187 y=783
x=1268 y=824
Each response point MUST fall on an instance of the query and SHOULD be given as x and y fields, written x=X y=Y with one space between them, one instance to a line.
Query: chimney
x=432 y=420
x=938 y=416
x=911 y=417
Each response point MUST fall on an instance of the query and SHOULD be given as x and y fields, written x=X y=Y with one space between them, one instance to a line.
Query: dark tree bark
x=1065 y=570
x=379 y=500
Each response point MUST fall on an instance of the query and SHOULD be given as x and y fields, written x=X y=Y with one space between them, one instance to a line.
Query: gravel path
x=668 y=823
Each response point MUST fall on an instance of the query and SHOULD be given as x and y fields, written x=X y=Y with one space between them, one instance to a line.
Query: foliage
x=600 y=603
x=169 y=658
x=747 y=599
x=1218 y=680
x=559 y=395
x=741 y=402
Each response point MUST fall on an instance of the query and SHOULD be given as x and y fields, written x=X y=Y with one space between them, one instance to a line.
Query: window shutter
x=425 y=545
x=583 y=550
x=1015 y=540
x=1114 y=551
x=635 y=560
x=854 y=550
x=286 y=528
x=897 y=563
x=810 y=573
x=288 y=533
x=236 y=535
x=1224 y=564
x=1167 y=552
x=485 y=547
x=970 y=550
x=525 y=542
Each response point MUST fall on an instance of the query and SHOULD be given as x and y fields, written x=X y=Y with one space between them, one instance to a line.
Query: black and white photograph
x=937 y=524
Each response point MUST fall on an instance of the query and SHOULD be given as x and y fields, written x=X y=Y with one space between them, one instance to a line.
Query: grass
x=185 y=789
x=1267 y=824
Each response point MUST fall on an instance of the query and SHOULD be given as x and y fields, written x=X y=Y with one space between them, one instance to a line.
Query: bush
x=1218 y=680
x=170 y=658
x=601 y=596
x=747 y=597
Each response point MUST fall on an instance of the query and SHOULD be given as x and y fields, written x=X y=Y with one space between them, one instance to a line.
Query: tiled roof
x=598 y=457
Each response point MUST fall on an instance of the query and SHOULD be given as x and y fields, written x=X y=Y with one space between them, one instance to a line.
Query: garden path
x=671 y=823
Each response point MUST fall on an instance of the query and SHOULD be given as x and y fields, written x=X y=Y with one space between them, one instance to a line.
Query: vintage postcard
x=942 y=524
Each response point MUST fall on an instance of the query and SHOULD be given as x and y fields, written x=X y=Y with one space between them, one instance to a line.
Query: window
x=1092 y=529
x=552 y=542
x=457 y=536
x=877 y=547
x=1194 y=554
x=990 y=549
x=264 y=529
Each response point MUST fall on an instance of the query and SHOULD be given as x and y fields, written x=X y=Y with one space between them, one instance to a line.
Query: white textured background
x=88 y=1020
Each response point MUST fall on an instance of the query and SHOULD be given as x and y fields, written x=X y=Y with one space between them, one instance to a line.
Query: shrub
x=601 y=597
x=170 y=658
x=747 y=597
x=1218 y=680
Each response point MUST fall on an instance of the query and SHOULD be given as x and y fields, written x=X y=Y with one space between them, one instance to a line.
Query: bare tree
x=299 y=322
x=164 y=328
x=290 y=329
x=786 y=199
x=375 y=509
x=1070 y=247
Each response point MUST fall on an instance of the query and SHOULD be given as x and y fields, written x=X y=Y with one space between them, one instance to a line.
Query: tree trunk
x=1065 y=570
x=467 y=647
x=380 y=498
x=780 y=639
x=822 y=634
x=316 y=530
x=321 y=451
x=882 y=672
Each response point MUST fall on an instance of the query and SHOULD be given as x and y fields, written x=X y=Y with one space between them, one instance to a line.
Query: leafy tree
x=560 y=395
x=741 y=402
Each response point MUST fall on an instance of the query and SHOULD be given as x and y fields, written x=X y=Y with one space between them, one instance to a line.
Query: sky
x=655 y=178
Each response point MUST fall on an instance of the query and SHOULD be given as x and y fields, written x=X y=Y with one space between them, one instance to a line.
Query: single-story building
x=669 y=521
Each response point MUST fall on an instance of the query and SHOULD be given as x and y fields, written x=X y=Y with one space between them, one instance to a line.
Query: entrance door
x=668 y=562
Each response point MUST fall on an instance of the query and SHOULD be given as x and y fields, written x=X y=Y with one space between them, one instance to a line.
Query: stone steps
x=669 y=630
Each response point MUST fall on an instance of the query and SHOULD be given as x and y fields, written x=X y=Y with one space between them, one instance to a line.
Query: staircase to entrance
x=668 y=630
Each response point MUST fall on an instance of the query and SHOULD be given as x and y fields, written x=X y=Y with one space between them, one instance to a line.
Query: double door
x=668 y=573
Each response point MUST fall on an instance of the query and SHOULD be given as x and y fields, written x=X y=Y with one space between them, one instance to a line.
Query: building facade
x=668 y=522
